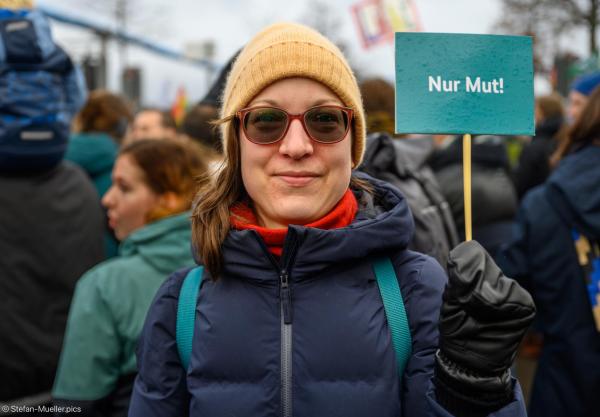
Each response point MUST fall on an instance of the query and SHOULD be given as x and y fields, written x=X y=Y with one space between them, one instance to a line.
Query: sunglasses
x=323 y=124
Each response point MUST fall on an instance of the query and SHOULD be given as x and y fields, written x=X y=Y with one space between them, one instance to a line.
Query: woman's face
x=577 y=102
x=129 y=200
x=295 y=180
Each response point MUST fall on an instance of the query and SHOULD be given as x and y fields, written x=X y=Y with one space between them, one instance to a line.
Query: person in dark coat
x=51 y=226
x=403 y=163
x=554 y=253
x=289 y=318
x=50 y=216
x=534 y=161
x=494 y=196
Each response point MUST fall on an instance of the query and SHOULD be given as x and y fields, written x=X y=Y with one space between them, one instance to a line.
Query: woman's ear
x=168 y=204
x=169 y=201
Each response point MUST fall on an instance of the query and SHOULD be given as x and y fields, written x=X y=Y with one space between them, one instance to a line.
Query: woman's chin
x=300 y=211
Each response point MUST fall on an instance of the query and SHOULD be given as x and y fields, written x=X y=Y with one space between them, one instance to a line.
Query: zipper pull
x=286 y=297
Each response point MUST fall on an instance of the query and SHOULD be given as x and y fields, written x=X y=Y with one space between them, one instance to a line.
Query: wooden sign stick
x=467 y=186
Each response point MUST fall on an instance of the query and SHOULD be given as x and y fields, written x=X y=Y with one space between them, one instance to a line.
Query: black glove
x=483 y=318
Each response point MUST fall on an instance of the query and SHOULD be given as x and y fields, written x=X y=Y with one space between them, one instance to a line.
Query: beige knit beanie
x=286 y=50
x=17 y=4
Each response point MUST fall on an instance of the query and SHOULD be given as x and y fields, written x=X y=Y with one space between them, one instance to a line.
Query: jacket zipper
x=285 y=296
x=286 y=346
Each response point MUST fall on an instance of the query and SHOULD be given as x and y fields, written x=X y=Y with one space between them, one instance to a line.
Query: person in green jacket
x=148 y=209
x=99 y=129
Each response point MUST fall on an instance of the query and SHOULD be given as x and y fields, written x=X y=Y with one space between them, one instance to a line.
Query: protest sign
x=458 y=83
x=464 y=84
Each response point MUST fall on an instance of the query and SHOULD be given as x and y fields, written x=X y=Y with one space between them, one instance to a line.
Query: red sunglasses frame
x=241 y=114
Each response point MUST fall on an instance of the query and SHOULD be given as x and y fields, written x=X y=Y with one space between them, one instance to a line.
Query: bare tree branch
x=549 y=19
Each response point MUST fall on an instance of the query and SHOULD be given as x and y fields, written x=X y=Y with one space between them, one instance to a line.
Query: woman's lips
x=297 y=179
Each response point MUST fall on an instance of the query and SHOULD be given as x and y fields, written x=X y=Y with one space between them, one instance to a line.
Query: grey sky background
x=231 y=23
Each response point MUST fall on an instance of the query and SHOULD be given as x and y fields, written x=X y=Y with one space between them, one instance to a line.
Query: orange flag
x=179 y=106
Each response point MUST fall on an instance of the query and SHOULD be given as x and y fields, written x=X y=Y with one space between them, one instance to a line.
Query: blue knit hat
x=586 y=83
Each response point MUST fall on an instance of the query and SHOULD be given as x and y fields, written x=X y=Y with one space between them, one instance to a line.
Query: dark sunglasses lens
x=265 y=125
x=327 y=124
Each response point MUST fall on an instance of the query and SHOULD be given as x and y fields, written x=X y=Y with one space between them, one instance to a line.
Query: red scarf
x=243 y=218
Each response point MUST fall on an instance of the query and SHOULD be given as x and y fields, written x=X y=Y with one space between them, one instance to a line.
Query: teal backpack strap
x=394 y=311
x=186 y=314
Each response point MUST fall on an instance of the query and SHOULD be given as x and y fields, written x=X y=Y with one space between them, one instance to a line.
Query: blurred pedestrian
x=581 y=88
x=198 y=123
x=534 y=161
x=197 y=127
x=289 y=318
x=50 y=218
x=554 y=252
x=148 y=208
x=493 y=191
x=403 y=163
x=380 y=106
x=152 y=123
x=100 y=127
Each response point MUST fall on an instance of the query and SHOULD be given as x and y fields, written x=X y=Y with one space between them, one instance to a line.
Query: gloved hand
x=483 y=318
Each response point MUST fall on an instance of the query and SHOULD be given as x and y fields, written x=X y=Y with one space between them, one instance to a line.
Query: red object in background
x=179 y=107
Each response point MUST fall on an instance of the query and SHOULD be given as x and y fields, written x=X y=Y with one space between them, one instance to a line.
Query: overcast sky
x=231 y=23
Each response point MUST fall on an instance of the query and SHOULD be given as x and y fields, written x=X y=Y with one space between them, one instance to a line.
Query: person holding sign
x=555 y=252
x=306 y=300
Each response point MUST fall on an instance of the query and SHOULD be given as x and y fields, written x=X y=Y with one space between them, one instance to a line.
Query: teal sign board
x=457 y=83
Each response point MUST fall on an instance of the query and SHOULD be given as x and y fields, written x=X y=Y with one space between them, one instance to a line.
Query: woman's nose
x=107 y=200
x=296 y=143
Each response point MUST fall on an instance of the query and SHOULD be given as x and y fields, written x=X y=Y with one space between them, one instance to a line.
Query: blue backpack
x=388 y=287
x=40 y=91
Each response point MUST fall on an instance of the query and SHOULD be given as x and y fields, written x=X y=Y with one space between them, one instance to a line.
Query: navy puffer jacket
x=323 y=351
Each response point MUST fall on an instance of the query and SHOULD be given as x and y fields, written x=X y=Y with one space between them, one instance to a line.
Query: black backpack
x=40 y=91
x=403 y=163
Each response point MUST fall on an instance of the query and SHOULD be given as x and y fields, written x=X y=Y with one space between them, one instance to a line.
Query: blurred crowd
x=96 y=215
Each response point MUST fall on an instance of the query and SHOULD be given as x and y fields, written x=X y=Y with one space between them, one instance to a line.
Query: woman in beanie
x=148 y=207
x=295 y=253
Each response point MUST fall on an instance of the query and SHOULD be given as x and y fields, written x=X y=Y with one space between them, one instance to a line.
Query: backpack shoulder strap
x=186 y=314
x=394 y=311
x=588 y=255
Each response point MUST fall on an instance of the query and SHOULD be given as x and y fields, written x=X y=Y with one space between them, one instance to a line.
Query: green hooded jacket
x=109 y=308
x=96 y=154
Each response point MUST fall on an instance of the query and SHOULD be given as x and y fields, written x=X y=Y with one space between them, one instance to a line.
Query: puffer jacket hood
x=383 y=223
x=161 y=244
x=404 y=157
x=574 y=190
x=403 y=163
x=94 y=152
